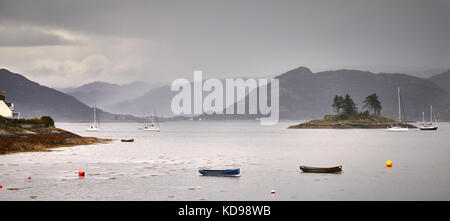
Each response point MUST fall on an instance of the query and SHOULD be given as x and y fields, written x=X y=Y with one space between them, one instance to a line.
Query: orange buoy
x=388 y=163
x=81 y=173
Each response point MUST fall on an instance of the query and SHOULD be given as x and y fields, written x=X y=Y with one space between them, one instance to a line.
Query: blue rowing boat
x=227 y=172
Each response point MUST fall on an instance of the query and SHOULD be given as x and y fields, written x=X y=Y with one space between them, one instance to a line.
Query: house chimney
x=2 y=96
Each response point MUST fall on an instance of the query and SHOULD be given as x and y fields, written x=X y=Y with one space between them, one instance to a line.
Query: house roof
x=3 y=98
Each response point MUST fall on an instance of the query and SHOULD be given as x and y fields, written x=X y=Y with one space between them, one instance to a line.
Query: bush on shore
x=47 y=121
x=360 y=117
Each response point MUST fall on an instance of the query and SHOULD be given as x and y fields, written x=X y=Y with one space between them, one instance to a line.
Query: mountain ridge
x=303 y=94
x=34 y=100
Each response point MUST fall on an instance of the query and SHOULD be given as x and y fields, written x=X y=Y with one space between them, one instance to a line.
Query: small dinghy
x=127 y=140
x=227 y=172
x=307 y=169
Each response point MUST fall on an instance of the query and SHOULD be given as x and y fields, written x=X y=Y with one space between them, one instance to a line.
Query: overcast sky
x=68 y=43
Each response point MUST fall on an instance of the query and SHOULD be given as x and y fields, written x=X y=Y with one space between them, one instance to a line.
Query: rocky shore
x=340 y=125
x=39 y=139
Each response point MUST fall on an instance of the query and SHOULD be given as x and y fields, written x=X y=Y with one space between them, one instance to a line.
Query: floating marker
x=81 y=173
x=1 y=186
x=29 y=177
x=388 y=163
x=272 y=192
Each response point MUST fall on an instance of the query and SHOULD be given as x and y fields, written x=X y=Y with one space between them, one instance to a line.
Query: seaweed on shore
x=41 y=139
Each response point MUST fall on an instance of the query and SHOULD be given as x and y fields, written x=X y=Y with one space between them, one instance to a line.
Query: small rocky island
x=37 y=135
x=349 y=117
x=333 y=122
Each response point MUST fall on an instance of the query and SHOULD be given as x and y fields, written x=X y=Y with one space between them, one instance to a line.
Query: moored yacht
x=428 y=126
x=398 y=127
x=94 y=126
x=154 y=126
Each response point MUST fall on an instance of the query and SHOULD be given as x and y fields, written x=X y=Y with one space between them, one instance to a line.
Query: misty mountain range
x=34 y=100
x=106 y=95
x=303 y=95
x=307 y=94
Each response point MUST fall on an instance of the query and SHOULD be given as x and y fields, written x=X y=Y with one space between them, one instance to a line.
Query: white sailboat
x=154 y=126
x=428 y=126
x=398 y=128
x=94 y=126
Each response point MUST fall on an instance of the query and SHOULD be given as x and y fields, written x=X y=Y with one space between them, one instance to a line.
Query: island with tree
x=348 y=116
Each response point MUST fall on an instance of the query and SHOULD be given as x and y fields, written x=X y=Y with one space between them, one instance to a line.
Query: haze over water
x=164 y=166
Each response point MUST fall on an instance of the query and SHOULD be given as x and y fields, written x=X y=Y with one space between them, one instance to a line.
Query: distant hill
x=304 y=94
x=158 y=98
x=105 y=95
x=34 y=100
x=307 y=94
x=442 y=80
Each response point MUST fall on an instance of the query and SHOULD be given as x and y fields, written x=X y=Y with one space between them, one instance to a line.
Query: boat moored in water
x=398 y=128
x=307 y=169
x=94 y=127
x=127 y=140
x=154 y=126
x=226 y=172
x=428 y=126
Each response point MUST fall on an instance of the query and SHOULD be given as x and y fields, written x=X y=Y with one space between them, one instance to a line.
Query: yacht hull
x=428 y=128
x=398 y=129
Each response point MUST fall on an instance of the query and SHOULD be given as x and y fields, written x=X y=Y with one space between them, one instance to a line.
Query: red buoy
x=29 y=177
x=81 y=173
x=1 y=186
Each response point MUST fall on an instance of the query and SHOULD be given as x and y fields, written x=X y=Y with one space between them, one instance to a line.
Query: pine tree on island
x=346 y=108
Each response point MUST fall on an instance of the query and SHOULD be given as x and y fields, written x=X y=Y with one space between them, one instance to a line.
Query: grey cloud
x=253 y=37
x=11 y=36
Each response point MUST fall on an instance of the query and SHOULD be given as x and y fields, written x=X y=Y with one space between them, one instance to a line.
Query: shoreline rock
x=28 y=140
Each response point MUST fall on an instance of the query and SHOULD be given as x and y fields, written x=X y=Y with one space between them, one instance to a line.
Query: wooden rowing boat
x=127 y=140
x=307 y=169
x=227 y=172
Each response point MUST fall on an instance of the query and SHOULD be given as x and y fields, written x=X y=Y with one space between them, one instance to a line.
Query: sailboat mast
x=95 y=120
x=155 y=118
x=423 y=117
x=399 y=107
x=431 y=114
x=435 y=120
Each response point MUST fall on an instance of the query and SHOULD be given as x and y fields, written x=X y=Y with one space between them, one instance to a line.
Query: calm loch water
x=164 y=166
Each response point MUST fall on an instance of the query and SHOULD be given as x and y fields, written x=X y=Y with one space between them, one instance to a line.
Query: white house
x=7 y=108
